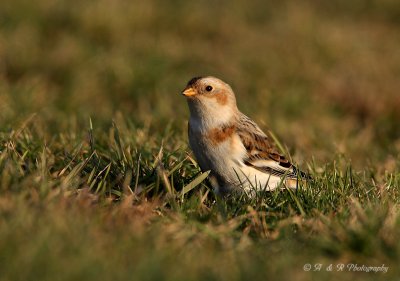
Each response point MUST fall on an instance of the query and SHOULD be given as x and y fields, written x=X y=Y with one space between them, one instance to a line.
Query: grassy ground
x=96 y=178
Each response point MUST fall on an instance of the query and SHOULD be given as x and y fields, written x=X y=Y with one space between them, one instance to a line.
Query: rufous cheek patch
x=222 y=98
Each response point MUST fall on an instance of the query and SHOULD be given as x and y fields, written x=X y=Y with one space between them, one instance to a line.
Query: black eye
x=209 y=88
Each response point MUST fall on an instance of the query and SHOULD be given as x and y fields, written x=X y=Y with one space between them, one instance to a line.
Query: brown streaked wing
x=258 y=145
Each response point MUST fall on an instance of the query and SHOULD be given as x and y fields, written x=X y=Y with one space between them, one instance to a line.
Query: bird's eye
x=209 y=88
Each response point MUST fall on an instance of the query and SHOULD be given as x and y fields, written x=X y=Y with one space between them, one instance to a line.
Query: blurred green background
x=323 y=75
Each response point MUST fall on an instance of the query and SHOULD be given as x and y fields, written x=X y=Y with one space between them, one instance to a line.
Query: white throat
x=206 y=118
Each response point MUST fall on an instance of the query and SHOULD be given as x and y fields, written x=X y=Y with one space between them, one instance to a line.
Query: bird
x=239 y=156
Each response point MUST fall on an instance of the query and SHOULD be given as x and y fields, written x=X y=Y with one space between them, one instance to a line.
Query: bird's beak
x=189 y=92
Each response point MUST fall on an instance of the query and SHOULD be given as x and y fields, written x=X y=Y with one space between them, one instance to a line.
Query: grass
x=96 y=177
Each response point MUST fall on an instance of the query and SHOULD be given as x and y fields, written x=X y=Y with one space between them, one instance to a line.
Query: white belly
x=225 y=161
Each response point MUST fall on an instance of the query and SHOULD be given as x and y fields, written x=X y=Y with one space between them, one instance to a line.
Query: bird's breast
x=217 y=148
x=221 y=134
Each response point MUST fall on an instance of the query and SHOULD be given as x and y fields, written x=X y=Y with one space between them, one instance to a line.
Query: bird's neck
x=203 y=122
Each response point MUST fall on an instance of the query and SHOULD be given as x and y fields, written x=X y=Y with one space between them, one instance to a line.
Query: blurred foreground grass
x=120 y=196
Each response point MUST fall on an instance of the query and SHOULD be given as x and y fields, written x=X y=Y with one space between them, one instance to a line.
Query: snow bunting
x=239 y=155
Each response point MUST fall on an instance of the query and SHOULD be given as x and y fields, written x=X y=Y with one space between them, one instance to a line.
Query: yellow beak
x=189 y=92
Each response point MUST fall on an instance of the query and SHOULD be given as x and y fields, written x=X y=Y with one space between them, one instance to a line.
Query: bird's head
x=210 y=99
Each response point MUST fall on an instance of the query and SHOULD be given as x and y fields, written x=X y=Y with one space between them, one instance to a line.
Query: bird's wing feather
x=261 y=151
